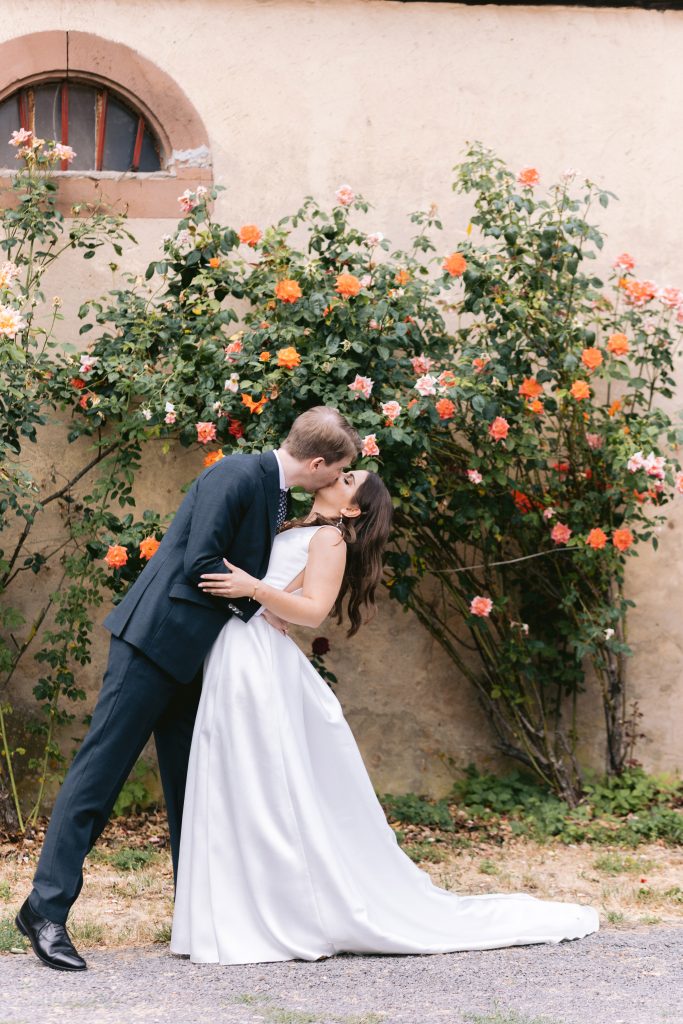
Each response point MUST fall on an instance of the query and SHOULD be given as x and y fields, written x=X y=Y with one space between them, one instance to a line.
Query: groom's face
x=321 y=475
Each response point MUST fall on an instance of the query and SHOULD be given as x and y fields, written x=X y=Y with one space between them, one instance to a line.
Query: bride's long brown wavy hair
x=366 y=537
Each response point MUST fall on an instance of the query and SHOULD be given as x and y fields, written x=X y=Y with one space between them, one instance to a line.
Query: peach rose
x=622 y=539
x=148 y=547
x=596 y=539
x=499 y=429
x=445 y=408
x=362 y=385
x=455 y=264
x=288 y=358
x=536 y=406
x=481 y=606
x=402 y=277
x=617 y=344
x=624 y=262
x=528 y=177
x=580 y=390
x=206 y=432
x=369 y=445
x=480 y=363
x=421 y=364
x=264 y=357
x=345 y=195
x=392 y=410
x=116 y=556
x=249 y=234
x=347 y=285
x=214 y=262
x=288 y=290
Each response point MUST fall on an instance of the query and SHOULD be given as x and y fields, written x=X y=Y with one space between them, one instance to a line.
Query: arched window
x=104 y=130
x=138 y=139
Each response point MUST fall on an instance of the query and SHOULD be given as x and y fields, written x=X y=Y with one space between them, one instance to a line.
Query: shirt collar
x=283 y=482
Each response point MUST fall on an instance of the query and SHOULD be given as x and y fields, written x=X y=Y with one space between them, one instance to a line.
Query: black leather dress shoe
x=50 y=941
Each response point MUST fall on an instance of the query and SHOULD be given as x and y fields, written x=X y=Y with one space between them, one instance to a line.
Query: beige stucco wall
x=300 y=96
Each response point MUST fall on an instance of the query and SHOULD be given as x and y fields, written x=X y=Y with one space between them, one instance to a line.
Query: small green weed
x=128 y=859
x=487 y=867
x=135 y=795
x=614 y=917
x=5 y=892
x=507 y=1017
x=415 y=810
x=162 y=935
x=425 y=852
x=86 y=932
x=10 y=938
x=617 y=864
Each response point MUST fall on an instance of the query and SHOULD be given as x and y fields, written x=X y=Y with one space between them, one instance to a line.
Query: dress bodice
x=289 y=555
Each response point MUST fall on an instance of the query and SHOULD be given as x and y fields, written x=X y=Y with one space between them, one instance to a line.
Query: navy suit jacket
x=229 y=511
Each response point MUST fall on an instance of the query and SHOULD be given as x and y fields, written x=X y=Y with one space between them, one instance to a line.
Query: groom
x=161 y=632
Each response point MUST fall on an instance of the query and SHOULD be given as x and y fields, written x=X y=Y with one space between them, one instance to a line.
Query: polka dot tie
x=281 y=509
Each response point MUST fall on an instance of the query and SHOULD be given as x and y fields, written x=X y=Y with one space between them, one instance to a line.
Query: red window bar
x=65 y=121
x=137 y=150
x=101 y=128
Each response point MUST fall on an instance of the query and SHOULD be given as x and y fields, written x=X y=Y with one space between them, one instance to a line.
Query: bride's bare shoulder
x=327 y=536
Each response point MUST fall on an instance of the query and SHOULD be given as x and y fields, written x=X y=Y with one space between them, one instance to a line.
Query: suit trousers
x=137 y=699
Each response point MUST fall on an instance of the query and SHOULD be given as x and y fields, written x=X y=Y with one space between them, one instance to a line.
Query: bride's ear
x=350 y=512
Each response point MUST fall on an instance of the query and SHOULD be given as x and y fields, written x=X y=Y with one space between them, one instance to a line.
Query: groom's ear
x=315 y=464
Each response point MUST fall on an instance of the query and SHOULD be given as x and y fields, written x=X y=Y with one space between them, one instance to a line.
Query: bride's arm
x=322 y=580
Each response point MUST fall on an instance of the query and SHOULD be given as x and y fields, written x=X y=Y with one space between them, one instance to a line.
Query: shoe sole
x=55 y=967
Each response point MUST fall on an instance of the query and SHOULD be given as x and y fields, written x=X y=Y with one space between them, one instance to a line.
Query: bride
x=285 y=851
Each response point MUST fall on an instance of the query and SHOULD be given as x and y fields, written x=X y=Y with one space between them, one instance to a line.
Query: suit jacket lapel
x=271 y=486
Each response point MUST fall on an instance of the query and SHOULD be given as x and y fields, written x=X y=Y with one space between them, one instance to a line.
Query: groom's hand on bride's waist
x=276 y=622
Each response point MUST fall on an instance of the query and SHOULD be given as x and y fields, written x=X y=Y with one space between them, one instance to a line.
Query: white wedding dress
x=285 y=851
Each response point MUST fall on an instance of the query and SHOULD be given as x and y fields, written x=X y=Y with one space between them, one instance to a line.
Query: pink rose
x=206 y=432
x=560 y=533
x=426 y=385
x=594 y=441
x=481 y=606
x=474 y=476
x=170 y=418
x=391 y=410
x=362 y=385
x=422 y=364
x=369 y=445
x=345 y=195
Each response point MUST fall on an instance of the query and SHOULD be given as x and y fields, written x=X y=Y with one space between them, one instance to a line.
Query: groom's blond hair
x=322 y=432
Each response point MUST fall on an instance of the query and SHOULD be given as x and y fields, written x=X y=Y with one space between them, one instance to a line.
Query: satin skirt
x=285 y=850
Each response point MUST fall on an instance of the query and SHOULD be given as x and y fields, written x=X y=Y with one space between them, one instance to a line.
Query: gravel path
x=613 y=977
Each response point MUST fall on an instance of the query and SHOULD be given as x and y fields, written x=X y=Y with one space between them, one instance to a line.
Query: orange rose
x=264 y=357
x=445 y=408
x=253 y=406
x=249 y=234
x=148 y=547
x=614 y=407
x=580 y=390
x=116 y=556
x=447 y=379
x=214 y=262
x=213 y=457
x=77 y=382
x=622 y=539
x=536 y=407
x=288 y=358
x=530 y=388
x=591 y=358
x=402 y=277
x=617 y=344
x=522 y=502
x=596 y=539
x=348 y=285
x=455 y=264
x=288 y=290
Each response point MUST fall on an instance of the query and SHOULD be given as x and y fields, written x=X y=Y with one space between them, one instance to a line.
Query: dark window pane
x=48 y=111
x=119 y=137
x=82 y=99
x=149 y=157
x=9 y=122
